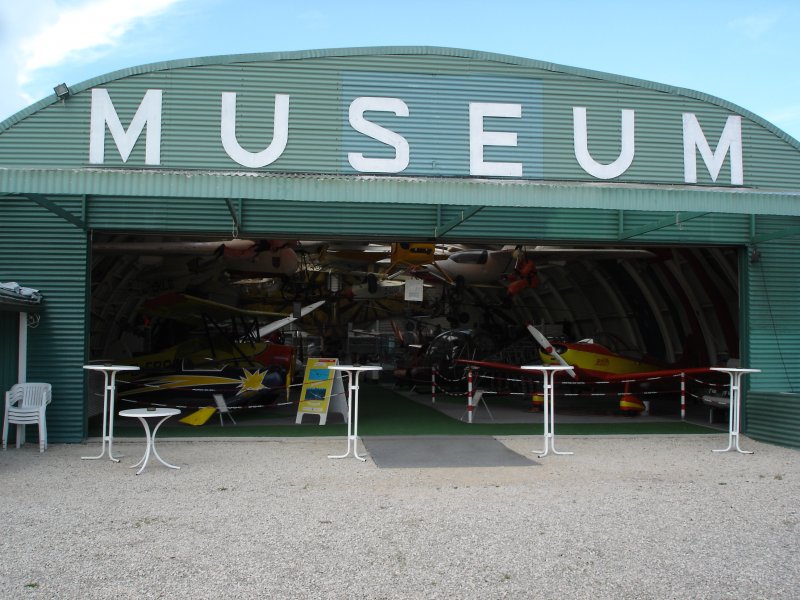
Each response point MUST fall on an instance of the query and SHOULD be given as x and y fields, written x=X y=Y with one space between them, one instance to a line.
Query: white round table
x=548 y=373
x=149 y=413
x=352 y=405
x=109 y=378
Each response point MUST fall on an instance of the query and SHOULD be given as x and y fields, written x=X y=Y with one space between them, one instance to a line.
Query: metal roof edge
x=399 y=50
x=389 y=189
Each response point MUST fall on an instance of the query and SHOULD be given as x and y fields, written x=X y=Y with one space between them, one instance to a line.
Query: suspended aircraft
x=515 y=266
x=241 y=257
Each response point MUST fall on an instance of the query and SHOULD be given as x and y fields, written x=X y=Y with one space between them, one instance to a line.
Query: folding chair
x=222 y=407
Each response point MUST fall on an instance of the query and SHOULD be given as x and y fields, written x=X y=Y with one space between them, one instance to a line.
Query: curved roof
x=56 y=148
x=398 y=50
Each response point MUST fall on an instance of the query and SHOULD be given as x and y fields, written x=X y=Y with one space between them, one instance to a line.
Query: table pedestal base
x=733 y=444
x=143 y=414
x=351 y=439
x=549 y=446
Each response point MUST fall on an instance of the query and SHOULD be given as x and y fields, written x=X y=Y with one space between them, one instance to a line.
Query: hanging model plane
x=230 y=353
x=515 y=266
x=238 y=256
x=382 y=268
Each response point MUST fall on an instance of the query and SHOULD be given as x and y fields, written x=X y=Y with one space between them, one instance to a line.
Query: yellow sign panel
x=320 y=386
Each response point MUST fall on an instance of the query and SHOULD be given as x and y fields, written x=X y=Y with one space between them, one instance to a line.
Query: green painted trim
x=393 y=190
x=679 y=218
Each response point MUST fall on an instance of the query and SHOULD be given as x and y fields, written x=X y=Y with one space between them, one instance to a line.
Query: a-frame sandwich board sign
x=323 y=391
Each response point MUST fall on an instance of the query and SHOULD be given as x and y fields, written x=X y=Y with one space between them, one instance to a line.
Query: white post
x=470 y=407
x=22 y=358
x=683 y=396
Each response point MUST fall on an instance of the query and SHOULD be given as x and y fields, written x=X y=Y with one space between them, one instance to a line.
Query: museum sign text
x=492 y=127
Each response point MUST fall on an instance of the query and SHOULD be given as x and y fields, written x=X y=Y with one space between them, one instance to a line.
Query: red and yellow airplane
x=594 y=362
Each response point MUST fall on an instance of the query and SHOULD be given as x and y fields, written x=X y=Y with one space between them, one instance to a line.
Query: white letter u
x=590 y=165
x=280 y=134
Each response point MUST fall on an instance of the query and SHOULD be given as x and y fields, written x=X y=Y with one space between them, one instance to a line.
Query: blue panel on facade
x=437 y=127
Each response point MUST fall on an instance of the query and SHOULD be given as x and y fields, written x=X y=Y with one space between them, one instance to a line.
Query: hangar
x=367 y=147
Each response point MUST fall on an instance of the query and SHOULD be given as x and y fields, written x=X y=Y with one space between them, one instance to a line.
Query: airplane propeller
x=549 y=349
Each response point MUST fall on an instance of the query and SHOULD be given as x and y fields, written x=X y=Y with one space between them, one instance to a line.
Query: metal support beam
x=235 y=216
x=48 y=204
x=464 y=216
x=776 y=235
x=677 y=220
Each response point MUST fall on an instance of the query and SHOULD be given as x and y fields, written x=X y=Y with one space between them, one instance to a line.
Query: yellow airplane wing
x=190 y=309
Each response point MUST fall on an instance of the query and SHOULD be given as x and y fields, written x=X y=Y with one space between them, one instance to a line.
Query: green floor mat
x=386 y=412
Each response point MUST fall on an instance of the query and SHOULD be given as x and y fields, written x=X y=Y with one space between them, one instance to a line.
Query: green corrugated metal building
x=398 y=143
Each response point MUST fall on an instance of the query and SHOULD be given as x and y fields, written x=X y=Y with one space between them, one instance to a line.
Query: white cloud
x=94 y=26
x=36 y=36
x=755 y=26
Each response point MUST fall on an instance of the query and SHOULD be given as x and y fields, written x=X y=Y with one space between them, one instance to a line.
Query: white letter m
x=730 y=140
x=103 y=112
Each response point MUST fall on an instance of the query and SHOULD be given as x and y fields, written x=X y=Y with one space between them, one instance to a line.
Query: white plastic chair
x=25 y=405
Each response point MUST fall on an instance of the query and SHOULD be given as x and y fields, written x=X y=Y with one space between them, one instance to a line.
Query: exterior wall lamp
x=62 y=91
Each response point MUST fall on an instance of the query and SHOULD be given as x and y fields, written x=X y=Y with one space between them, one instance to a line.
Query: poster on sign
x=322 y=392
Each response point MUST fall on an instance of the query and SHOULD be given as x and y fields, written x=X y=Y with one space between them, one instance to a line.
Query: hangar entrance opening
x=200 y=309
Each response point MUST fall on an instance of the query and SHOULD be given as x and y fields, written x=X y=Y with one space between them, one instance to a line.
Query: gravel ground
x=624 y=517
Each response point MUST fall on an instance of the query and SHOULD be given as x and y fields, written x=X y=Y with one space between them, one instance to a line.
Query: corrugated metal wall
x=773 y=321
x=9 y=335
x=43 y=251
x=773 y=418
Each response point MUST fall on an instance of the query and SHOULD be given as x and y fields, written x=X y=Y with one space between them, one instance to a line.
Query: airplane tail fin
x=200 y=416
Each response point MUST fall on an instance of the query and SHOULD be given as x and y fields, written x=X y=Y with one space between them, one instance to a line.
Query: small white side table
x=736 y=374
x=548 y=373
x=352 y=405
x=143 y=414
x=109 y=393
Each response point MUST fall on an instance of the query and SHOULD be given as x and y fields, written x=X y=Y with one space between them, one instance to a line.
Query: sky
x=744 y=52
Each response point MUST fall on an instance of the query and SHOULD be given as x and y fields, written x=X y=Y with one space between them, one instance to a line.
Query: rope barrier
x=476 y=389
x=240 y=407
